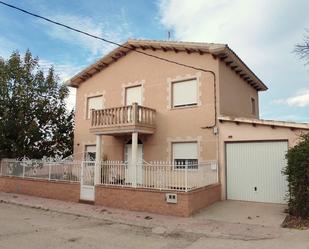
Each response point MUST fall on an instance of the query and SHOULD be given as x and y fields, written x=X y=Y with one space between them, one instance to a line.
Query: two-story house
x=171 y=127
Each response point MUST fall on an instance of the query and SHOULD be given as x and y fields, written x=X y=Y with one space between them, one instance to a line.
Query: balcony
x=123 y=120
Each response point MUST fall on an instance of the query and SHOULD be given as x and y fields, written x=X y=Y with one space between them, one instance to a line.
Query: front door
x=130 y=172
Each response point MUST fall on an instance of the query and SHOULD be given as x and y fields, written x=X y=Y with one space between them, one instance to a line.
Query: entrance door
x=254 y=171
x=130 y=172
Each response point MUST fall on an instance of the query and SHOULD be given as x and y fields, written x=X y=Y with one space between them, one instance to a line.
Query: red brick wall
x=59 y=190
x=203 y=197
x=154 y=201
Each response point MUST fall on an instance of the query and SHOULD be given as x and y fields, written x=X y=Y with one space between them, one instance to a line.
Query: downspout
x=214 y=125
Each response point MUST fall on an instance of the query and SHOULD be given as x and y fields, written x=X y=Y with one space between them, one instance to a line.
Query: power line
x=103 y=39
x=126 y=47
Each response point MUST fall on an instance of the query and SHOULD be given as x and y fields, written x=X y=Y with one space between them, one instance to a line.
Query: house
x=171 y=127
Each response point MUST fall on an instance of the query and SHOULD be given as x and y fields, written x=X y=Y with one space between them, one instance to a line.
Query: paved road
x=24 y=227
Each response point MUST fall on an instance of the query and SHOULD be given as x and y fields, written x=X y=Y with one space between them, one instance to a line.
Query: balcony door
x=133 y=95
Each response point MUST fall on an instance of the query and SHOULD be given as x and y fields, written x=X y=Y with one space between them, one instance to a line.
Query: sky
x=263 y=33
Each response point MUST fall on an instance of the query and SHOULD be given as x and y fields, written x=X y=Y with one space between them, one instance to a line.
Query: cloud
x=65 y=71
x=101 y=29
x=252 y=28
x=301 y=99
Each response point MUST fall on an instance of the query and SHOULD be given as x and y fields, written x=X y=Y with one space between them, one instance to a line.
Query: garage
x=253 y=171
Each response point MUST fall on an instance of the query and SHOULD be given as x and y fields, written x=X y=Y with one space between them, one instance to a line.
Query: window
x=253 y=106
x=95 y=103
x=184 y=93
x=134 y=95
x=185 y=153
x=90 y=152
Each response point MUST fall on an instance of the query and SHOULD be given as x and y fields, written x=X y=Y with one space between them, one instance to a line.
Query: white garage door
x=254 y=171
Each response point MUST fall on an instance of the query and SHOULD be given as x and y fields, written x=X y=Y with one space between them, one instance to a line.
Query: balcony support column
x=134 y=157
x=98 y=160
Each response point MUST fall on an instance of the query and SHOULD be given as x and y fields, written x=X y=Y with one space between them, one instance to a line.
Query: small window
x=90 y=152
x=184 y=93
x=185 y=153
x=95 y=103
x=253 y=106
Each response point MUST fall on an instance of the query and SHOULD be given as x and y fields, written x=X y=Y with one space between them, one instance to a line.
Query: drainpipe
x=214 y=124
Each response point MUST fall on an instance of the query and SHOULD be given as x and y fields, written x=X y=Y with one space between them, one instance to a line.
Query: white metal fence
x=160 y=175
x=41 y=169
x=153 y=175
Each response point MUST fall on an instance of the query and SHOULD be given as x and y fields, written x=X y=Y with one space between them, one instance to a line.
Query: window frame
x=133 y=86
x=85 y=152
x=182 y=167
x=253 y=106
x=195 y=104
x=88 y=111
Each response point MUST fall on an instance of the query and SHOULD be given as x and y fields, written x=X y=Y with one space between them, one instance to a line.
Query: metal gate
x=87 y=181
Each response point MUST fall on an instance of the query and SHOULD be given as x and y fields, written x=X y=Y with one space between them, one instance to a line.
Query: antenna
x=169 y=35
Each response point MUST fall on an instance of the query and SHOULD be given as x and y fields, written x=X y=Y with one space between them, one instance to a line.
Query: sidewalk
x=159 y=224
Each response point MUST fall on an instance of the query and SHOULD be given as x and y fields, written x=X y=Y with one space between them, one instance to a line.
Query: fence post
x=186 y=177
x=49 y=171
x=217 y=167
x=23 y=169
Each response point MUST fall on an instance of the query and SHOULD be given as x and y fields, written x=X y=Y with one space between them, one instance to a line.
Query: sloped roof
x=220 y=51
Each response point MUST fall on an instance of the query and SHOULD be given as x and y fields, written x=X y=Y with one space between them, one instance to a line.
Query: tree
x=297 y=172
x=34 y=121
x=302 y=49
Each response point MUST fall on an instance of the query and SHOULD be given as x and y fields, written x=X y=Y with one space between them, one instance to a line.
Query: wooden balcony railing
x=124 y=117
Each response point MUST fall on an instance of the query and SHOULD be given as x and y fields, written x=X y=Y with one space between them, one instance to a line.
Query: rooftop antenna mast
x=169 y=35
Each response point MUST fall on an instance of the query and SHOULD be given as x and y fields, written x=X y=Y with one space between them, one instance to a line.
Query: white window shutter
x=185 y=150
x=90 y=148
x=184 y=93
x=95 y=103
x=134 y=95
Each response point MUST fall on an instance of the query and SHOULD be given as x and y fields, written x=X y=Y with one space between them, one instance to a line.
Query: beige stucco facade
x=229 y=93
x=235 y=95
x=172 y=124
x=155 y=77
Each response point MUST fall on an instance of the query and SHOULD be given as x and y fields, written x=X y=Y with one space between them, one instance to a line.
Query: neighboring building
x=159 y=125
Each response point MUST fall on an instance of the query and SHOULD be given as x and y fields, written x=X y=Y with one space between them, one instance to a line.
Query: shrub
x=297 y=172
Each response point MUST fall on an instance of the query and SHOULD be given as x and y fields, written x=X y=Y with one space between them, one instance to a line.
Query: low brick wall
x=153 y=201
x=59 y=190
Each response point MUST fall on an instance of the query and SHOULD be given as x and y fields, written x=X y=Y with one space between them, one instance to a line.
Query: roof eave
x=218 y=50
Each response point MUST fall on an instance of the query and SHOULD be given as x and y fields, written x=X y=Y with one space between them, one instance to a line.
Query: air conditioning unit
x=171 y=198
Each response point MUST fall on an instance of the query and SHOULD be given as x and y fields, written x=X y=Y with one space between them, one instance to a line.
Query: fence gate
x=87 y=181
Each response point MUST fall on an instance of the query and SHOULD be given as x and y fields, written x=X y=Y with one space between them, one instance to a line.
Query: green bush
x=297 y=172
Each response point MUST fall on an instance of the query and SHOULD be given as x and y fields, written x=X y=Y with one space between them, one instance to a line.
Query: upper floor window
x=185 y=153
x=95 y=103
x=133 y=95
x=253 y=106
x=184 y=93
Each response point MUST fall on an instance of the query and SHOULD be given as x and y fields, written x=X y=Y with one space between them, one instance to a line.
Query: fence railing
x=40 y=169
x=153 y=175
x=160 y=175
x=125 y=115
